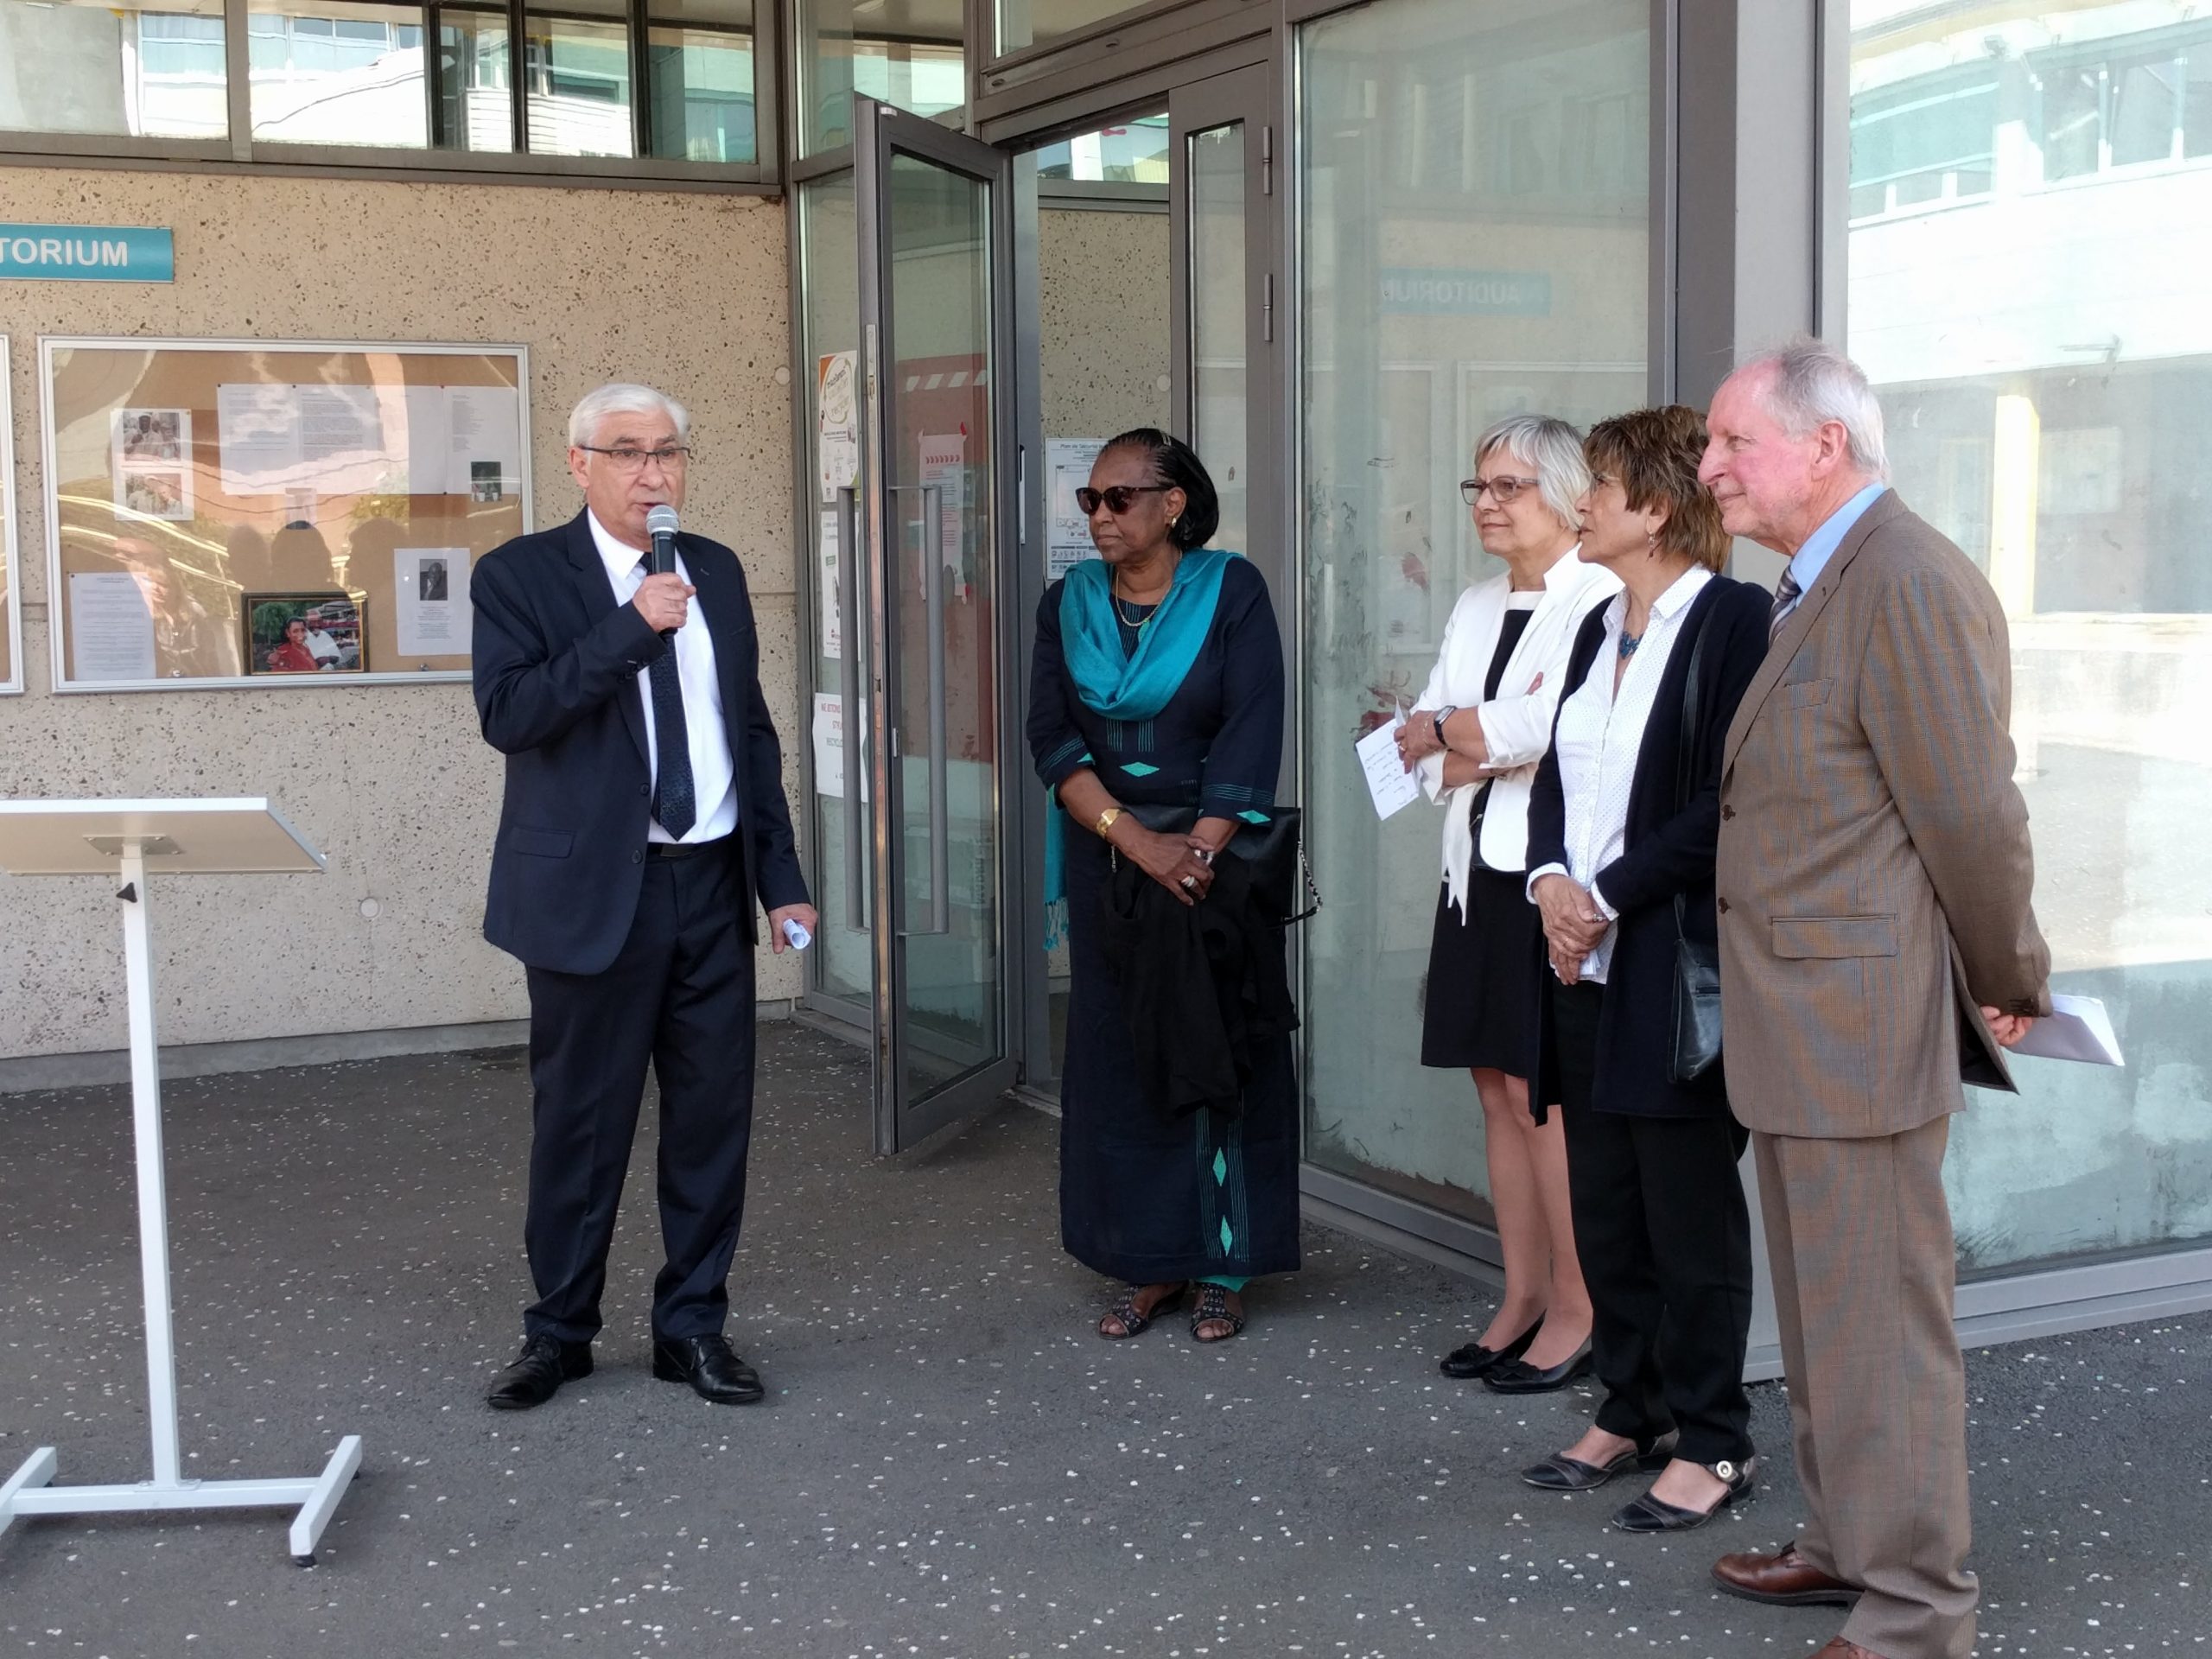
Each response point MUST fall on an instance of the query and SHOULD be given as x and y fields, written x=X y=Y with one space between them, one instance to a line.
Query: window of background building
x=1474 y=193
x=905 y=53
x=2045 y=361
x=390 y=76
x=72 y=66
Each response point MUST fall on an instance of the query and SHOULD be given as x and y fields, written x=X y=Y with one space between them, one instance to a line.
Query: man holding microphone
x=644 y=813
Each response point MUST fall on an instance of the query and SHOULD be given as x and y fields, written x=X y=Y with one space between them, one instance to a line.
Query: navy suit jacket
x=556 y=662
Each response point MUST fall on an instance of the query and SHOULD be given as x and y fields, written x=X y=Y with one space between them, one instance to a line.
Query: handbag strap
x=1685 y=759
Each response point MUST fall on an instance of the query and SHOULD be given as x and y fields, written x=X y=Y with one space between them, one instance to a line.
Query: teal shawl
x=1135 y=687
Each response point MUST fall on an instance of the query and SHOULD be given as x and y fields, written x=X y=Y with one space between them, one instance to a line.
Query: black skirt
x=1480 y=1009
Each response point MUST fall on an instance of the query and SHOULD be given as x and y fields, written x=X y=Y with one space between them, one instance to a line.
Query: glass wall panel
x=905 y=53
x=576 y=68
x=327 y=72
x=475 y=71
x=1135 y=154
x=700 y=58
x=2028 y=311
x=1039 y=22
x=829 y=302
x=125 y=70
x=1219 y=307
x=1474 y=197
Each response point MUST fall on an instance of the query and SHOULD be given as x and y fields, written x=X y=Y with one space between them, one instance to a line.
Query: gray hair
x=621 y=399
x=1553 y=448
x=1810 y=383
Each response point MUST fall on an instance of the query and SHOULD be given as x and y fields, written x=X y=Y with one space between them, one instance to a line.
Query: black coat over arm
x=1668 y=852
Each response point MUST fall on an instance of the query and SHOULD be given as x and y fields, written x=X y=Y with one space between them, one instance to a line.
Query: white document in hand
x=1393 y=787
x=2076 y=1028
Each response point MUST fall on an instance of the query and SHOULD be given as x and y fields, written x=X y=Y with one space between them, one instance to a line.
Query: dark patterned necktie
x=675 y=807
x=1785 y=595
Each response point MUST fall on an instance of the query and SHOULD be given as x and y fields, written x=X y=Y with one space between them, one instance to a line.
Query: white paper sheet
x=945 y=468
x=150 y=459
x=425 y=441
x=484 y=439
x=2077 y=1029
x=1389 y=784
x=829 y=747
x=258 y=430
x=1067 y=542
x=110 y=630
x=838 y=422
x=431 y=612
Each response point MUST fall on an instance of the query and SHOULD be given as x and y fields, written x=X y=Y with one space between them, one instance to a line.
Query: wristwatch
x=1443 y=715
x=1106 y=820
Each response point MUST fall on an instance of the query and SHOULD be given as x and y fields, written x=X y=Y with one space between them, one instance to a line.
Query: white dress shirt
x=1516 y=723
x=714 y=775
x=1600 y=738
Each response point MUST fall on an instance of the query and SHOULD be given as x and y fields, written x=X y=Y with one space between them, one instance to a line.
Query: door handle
x=849 y=665
x=938 y=763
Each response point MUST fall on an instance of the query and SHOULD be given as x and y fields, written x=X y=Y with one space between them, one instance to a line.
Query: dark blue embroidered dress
x=1146 y=1196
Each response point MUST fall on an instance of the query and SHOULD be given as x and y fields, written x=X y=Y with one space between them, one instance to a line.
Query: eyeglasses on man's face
x=1117 y=498
x=629 y=458
x=1503 y=489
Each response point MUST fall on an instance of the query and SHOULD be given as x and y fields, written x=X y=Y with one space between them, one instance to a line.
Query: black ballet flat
x=1473 y=1360
x=1560 y=1474
x=1649 y=1514
x=1519 y=1377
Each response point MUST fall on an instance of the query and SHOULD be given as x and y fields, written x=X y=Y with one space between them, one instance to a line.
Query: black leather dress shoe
x=707 y=1364
x=1519 y=1377
x=1649 y=1514
x=1473 y=1360
x=1560 y=1474
x=544 y=1365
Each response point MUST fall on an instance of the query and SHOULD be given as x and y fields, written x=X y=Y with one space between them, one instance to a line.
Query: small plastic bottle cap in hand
x=798 y=936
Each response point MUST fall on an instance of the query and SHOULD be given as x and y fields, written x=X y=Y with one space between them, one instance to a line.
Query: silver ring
x=1190 y=881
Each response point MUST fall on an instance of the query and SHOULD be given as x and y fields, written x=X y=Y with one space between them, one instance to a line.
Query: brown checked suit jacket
x=1874 y=870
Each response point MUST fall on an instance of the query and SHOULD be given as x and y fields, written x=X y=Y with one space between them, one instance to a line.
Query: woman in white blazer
x=1476 y=736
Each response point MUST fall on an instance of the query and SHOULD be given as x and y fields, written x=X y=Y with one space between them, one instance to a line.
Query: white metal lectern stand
x=131 y=840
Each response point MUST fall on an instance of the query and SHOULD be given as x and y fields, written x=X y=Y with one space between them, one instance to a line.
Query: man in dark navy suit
x=645 y=812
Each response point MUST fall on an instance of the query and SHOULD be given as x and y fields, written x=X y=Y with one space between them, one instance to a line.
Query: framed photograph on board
x=304 y=634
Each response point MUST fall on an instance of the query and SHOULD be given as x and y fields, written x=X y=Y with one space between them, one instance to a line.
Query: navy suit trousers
x=679 y=996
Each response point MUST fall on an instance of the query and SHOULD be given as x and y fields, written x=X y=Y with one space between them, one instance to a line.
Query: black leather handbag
x=1275 y=850
x=1697 y=964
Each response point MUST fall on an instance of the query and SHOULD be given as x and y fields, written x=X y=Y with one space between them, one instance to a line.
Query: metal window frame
x=240 y=151
x=50 y=499
x=11 y=592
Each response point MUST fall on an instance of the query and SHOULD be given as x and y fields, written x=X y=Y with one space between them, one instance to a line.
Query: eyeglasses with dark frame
x=672 y=457
x=1503 y=489
x=1117 y=498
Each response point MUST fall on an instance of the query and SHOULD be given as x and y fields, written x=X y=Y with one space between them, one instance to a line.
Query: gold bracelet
x=1106 y=820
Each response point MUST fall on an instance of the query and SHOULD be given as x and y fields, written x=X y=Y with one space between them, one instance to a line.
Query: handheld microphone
x=660 y=524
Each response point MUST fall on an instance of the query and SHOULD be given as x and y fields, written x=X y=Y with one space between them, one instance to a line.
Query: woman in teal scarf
x=1158 y=681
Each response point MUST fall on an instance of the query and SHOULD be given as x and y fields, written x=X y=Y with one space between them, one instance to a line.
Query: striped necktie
x=1785 y=600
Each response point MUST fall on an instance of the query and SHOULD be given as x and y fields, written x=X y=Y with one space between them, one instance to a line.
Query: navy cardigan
x=1666 y=852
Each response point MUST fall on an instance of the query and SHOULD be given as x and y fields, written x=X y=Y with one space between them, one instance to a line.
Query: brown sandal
x=1134 y=1320
x=1212 y=1308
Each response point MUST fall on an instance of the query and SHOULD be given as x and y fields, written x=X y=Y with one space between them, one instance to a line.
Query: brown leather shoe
x=1841 y=1648
x=1787 y=1581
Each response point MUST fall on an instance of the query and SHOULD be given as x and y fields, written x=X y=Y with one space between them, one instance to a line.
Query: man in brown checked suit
x=1876 y=943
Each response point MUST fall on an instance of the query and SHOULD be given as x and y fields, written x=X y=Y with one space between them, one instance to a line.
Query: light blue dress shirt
x=1820 y=547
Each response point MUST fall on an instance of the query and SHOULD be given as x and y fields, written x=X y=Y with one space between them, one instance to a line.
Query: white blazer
x=1517 y=722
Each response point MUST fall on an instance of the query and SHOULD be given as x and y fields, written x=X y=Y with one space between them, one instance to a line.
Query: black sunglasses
x=1117 y=498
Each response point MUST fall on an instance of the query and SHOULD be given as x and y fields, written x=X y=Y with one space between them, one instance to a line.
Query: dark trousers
x=1665 y=1239
x=679 y=995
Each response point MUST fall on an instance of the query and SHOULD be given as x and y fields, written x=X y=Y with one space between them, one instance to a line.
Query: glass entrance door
x=926 y=517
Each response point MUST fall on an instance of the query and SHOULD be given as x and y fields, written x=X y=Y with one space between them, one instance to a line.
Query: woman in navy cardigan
x=1660 y=1220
